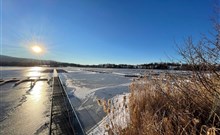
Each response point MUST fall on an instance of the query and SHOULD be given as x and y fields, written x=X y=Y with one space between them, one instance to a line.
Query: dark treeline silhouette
x=161 y=66
x=14 y=61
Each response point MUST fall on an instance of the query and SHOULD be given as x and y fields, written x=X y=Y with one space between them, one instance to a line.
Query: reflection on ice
x=36 y=91
x=34 y=72
x=29 y=111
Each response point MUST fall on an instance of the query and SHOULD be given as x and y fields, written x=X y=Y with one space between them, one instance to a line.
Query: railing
x=50 y=124
x=70 y=117
x=74 y=114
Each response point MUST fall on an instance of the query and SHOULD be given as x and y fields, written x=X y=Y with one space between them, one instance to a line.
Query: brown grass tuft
x=172 y=107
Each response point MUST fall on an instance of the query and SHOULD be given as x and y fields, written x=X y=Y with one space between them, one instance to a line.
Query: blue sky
x=102 y=31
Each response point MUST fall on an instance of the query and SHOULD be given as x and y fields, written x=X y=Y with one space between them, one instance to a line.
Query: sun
x=36 y=49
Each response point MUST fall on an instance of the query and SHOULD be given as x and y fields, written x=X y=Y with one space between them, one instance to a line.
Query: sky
x=102 y=31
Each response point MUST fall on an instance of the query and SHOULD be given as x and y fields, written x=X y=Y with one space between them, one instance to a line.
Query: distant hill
x=15 y=61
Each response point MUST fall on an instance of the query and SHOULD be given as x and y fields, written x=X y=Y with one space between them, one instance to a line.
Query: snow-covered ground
x=118 y=115
x=85 y=86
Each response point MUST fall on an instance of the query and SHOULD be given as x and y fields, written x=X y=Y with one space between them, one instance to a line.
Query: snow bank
x=118 y=116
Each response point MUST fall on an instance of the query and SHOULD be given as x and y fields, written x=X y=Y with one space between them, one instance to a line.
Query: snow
x=118 y=116
x=85 y=87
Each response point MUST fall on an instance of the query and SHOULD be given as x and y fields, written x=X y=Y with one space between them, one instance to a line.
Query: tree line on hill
x=161 y=65
x=14 y=61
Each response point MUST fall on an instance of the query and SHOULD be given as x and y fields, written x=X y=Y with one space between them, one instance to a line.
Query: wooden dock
x=63 y=120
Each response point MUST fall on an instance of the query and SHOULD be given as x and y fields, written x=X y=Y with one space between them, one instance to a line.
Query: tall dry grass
x=177 y=103
x=180 y=104
x=173 y=105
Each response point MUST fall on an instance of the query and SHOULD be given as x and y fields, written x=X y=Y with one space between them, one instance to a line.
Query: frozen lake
x=25 y=110
x=85 y=85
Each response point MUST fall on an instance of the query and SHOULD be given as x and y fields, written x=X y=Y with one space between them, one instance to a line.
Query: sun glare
x=36 y=49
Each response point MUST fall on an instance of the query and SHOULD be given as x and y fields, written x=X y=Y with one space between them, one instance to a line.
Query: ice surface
x=85 y=86
x=24 y=110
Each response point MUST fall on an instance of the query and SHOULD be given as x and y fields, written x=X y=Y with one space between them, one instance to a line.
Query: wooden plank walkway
x=64 y=120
